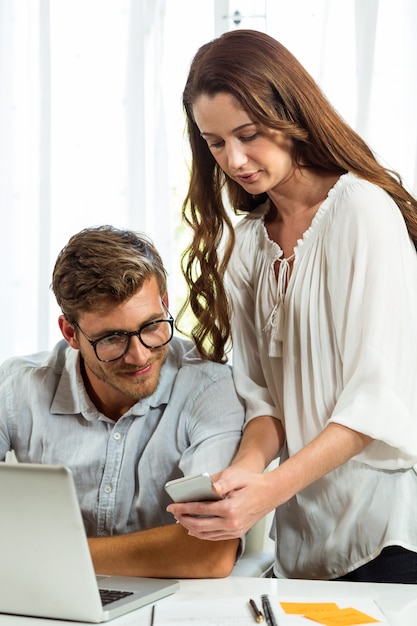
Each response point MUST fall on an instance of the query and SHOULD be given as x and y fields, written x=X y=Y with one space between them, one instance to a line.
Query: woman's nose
x=236 y=156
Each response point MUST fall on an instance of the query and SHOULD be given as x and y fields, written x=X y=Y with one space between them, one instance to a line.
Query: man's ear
x=165 y=300
x=68 y=332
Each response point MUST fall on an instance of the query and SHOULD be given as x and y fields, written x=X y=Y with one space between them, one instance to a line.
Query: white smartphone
x=196 y=488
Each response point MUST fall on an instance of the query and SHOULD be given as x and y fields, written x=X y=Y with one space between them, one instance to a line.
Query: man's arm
x=164 y=552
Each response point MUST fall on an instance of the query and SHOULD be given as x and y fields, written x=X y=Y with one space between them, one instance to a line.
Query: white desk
x=398 y=602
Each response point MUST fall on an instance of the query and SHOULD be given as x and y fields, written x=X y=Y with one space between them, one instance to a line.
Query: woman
x=321 y=303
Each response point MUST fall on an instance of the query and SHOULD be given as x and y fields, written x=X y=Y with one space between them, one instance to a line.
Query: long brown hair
x=273 y=87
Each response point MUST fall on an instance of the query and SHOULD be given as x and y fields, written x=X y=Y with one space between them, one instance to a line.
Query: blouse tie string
x=276 y=321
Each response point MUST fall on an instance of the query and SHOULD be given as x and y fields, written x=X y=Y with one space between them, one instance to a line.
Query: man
x=126 y=406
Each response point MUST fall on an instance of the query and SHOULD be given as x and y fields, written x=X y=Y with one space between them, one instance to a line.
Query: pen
x=153 y=615
x=256 y=612
x=269 y=616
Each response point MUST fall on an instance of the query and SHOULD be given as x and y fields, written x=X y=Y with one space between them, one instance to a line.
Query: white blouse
x=339 y=344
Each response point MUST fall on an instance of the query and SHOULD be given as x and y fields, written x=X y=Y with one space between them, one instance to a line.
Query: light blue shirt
x=192 y=423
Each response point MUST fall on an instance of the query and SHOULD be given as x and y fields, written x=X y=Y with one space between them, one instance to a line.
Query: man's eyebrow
x=235 y=130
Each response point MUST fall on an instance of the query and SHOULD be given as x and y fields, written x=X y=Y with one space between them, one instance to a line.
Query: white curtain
x=91 y=128
x=81 y=143
x=363 y=53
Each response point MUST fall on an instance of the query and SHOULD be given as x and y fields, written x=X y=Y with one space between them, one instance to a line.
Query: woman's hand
x=247 y=500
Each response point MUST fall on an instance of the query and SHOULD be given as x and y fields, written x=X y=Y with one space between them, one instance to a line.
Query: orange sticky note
x=328 y=613
x=301 y=608
x=342 y=617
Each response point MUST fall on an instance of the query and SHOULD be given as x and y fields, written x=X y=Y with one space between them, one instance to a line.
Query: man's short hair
x=103 y=265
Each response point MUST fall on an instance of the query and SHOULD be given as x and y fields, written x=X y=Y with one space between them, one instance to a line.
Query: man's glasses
x=152 y=335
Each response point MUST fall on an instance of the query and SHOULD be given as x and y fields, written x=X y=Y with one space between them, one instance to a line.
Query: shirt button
x=108 y=489
x=117 y=436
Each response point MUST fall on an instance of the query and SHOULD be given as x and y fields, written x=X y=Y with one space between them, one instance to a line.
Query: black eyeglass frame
x=129 y=335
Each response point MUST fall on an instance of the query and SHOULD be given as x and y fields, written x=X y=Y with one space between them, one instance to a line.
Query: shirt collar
x=72 y=398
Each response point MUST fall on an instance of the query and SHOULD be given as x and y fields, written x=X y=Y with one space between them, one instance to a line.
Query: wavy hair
x=276 y=91
x=102 y=265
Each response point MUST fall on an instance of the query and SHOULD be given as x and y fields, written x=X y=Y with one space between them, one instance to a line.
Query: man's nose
x=137 y=352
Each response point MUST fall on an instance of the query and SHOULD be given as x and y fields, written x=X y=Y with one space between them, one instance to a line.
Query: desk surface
x=398 y=602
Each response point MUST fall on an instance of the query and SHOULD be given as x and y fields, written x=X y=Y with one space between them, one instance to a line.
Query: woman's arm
x=250 y=495
x=262 y=439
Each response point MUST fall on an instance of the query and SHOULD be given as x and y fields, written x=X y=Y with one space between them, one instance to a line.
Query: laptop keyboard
x=111 y=595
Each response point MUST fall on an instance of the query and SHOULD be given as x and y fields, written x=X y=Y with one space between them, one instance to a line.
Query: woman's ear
x=68 y=332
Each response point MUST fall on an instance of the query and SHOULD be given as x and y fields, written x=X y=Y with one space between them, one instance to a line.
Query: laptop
x=45 y=564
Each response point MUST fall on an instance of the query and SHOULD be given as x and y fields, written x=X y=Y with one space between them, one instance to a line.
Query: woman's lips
x=248 y=178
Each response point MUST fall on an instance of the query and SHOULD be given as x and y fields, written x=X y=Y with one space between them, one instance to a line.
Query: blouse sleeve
x=247 y=356
x=372 y=284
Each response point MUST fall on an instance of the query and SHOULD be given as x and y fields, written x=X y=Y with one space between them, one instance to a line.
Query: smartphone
x=196 y=488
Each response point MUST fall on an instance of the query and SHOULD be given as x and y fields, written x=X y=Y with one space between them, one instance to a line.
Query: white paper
x=235 y=611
